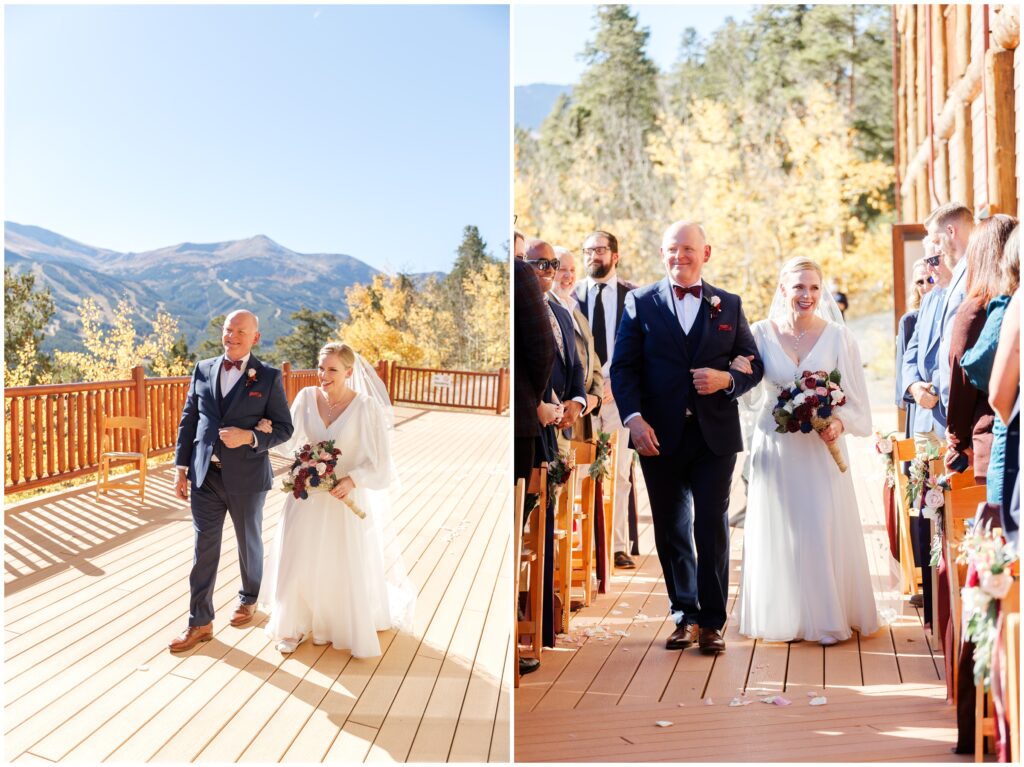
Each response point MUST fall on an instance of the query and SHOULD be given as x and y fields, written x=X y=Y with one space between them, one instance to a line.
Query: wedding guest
x=593 y=378
x=970 y=417
x=602 y=296
x=921 y=286
x=949 y=229
x=840 y=297
x=534 y=356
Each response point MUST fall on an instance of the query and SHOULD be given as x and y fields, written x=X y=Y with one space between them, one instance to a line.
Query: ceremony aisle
x=611 y=691
x=95 y=590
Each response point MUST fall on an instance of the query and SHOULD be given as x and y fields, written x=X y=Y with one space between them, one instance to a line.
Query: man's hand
x=570 y=414
x=924 y=395
x=608 y=393
x=265 y=425
x=591 y=403
x=548 y=413
x=181 y=484
x=644 y=440
x=708 y=380
x=232 y=436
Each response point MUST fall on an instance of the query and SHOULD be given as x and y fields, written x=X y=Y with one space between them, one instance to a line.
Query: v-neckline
x=342 y=414
x=782 y=347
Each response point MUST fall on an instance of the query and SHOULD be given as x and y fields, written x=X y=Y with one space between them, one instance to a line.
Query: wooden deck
x=598 y=695
x=94 y=591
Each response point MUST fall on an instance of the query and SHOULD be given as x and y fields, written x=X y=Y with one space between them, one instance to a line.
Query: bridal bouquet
x=313 y=468
x=808 y=406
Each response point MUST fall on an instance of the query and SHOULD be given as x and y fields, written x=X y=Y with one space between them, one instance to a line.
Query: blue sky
x=549 y=37
x=375 y=131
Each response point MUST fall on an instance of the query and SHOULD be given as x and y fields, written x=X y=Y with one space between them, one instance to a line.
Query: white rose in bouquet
x=997 y=584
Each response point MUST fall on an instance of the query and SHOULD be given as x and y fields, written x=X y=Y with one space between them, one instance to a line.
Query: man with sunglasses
x=565 y=390
x=602 y=296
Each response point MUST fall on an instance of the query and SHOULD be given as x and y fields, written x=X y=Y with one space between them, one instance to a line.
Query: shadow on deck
x=94 y=590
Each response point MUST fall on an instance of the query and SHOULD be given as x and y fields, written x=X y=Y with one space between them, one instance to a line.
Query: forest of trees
x=458 y=322
x=776 y=133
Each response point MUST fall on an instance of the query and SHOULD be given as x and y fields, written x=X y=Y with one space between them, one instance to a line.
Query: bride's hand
x=265 y=425
x=833 y=431
x=343 y=488
x=742 y=364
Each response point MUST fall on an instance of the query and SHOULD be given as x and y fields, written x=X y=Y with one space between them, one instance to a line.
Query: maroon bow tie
x=693 y=290
x=228 y=364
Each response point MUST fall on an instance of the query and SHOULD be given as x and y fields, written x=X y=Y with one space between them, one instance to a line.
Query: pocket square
x=725 y=327
x=255 y=394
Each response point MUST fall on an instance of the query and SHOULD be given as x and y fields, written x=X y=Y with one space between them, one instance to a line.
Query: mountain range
x=534 y=103
x=191 y=281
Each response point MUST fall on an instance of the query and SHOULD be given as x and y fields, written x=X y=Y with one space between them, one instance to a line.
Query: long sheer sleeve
x=856 y=413
x=375 y=471
x=299 y=437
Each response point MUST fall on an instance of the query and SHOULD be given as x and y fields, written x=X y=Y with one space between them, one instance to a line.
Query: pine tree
x=312 y=331
x=26 y=314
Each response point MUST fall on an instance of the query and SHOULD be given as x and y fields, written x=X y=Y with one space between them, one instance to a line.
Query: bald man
x=224 y=468
x=677 y=397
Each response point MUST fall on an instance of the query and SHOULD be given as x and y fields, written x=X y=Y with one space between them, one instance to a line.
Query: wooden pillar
x=139 y=404
x=938 y=75
x=910 y=210
x=1002 y=159
x=921 y=186
x=286 y=381
x=903 y=147
x=963 y=38
x=962 y=186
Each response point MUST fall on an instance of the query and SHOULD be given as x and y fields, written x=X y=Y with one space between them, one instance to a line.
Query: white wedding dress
x=332 y=575
x=805 y=569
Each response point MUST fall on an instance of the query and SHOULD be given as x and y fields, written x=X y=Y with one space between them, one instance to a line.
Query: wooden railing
x=449 y=388
x=51 y=435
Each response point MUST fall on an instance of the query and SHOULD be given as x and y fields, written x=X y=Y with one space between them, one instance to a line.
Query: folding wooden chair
x=1011 y=642
x=106 y=426
x=905 y=450
x=608 y=499
x=563 y=551
x=984 y=713
x=583 y=514
x=960 y=506
x=532 y=555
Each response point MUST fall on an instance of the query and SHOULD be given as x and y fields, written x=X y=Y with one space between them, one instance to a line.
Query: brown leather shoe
x=684 y=636
x=624 y=561
x=190 y=637
x=711 y=641
x=243 y=614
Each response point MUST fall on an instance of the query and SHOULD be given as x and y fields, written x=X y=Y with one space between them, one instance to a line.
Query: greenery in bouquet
x=809 y=404
x=558 y=472
x=990 y=576
x=919 y=472
x=886 y=454
x=600 y=467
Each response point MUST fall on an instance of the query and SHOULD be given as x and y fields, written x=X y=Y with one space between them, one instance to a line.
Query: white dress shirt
x=609 y=297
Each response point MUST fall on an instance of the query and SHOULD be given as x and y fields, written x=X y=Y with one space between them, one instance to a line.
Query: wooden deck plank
x=89 y=666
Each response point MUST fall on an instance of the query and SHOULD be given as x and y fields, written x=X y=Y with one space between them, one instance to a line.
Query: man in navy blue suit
x=225 y=462
x=678 y=397
x=565 y=390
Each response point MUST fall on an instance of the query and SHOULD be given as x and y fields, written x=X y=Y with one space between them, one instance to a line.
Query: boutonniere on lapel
x=250 y=377
x=716 y=305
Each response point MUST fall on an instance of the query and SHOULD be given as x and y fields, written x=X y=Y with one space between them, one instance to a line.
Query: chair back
x=108 y=425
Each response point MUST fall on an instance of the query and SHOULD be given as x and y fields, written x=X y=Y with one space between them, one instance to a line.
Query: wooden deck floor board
x=568 y=711
x=97 y=588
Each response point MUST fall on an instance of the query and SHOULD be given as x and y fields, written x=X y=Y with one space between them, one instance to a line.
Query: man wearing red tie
x=224 y=461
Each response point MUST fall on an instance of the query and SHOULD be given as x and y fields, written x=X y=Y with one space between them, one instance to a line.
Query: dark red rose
x=810 y=382
x=792 y=425
x=784 y=394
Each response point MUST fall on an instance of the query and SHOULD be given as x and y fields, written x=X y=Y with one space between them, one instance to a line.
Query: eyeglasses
x=543 y=264
x=600 y=250
x=932 y=261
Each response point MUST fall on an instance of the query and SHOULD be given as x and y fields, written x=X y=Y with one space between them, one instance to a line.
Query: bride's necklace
x=331 y=408
x=798 y=337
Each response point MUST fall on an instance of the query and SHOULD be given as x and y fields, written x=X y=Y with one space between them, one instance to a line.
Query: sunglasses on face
x=932 y=261
x=543 y=264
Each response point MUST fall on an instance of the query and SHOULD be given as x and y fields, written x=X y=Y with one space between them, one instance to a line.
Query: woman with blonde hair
x=335 y=572
x=805 y=569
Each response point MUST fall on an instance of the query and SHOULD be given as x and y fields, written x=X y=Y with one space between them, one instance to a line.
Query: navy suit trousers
x=689 y=490
x=210 y=504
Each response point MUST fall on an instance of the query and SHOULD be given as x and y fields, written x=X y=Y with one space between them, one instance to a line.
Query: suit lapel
x=214 y=377
x=668 y=314
x=931 y=330
x=232 y=397
x=581 y=297
x=620 y=302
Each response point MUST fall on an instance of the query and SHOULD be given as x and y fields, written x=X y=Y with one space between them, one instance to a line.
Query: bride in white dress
x=333 y=576
x=805 y=570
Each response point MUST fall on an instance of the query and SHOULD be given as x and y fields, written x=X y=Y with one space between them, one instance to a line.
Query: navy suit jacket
x=245 y=469
x=651 y=366
x=567 y=379
x=921 y=362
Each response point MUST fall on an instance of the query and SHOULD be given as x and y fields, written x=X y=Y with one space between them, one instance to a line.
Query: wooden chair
x=532 y=555
x=905 y=450
x=984 y=714
x=563 y=551
x=583 y=514
x=108 y=456
x=517 y=552
x=960 y=505
x=608 y=499
x=1011 y=640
